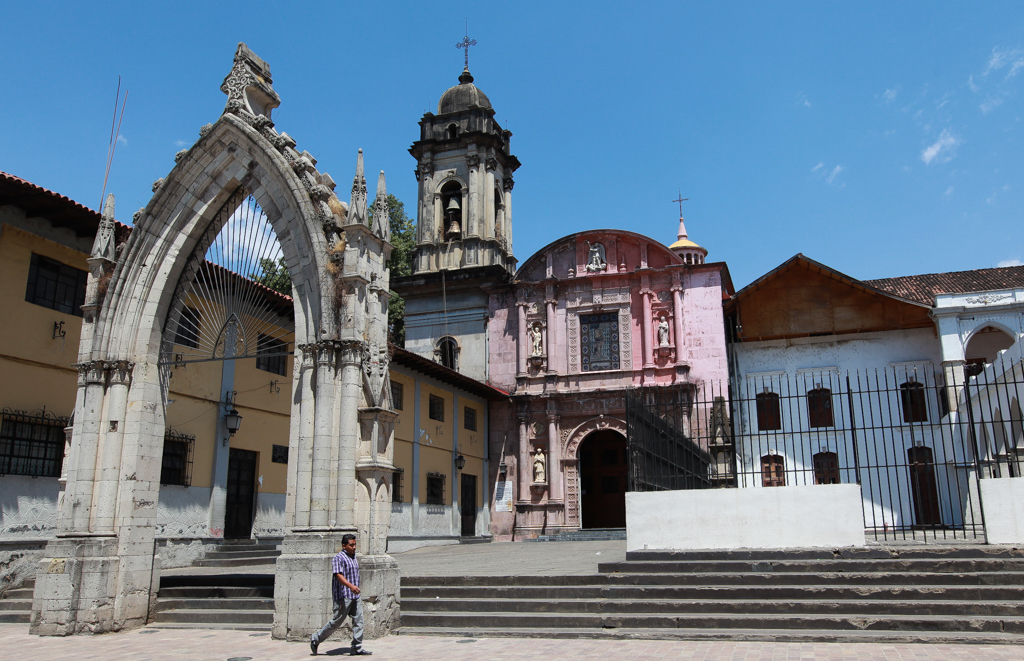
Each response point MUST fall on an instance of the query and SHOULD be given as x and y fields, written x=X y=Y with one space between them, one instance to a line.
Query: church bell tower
x=464 y=167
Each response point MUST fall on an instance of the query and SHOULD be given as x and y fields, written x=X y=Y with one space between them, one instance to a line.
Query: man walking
x=345 y=591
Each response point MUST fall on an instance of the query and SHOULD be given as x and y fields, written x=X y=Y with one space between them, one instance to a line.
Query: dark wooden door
x=467 y=505
x=923 y=487
x=241 y=494
x=603 y=480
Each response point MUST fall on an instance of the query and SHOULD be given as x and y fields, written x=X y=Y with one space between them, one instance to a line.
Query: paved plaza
x=149 y=644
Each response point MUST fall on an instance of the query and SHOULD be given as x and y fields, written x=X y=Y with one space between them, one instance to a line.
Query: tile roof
x=924 y=288
x=59 y=209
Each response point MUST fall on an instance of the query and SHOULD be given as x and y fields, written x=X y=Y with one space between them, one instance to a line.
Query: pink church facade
x=584 y=320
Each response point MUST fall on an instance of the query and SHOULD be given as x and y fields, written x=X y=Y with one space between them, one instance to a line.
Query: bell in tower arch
x=454 y=213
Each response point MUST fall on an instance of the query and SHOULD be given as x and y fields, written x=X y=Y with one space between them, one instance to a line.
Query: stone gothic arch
x=100 y=574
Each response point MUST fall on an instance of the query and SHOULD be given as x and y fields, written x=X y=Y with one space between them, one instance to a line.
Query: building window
x=396 y=486
x=435 y=488
x=826 y=468
x=397 y=396
x=773 y=471
x=55 y=285
x=436 y=408
x=187 y=333
x=271 y=354
x=819 y=408
x=279 y=454
x=31 y=444
x=915 y=407
x=176 y=467
x=448 y=352
x=769 y=412
x=451 y=132
x=599 y=341
x=470 y=421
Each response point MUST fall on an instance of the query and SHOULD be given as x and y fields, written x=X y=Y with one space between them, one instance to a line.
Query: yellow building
x=45 y=240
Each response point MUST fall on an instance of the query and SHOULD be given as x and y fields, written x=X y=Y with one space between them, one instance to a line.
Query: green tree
x=403 y=238
x=275 y=275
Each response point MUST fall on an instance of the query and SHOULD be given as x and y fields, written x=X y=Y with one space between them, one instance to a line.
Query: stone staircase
x=588 y=535
x=921 y=594
x=221 y=601
x=16 y=604
x=240 y=553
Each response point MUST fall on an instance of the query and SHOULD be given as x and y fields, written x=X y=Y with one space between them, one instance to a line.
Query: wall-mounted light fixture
x=460 y=462
x=232 y=421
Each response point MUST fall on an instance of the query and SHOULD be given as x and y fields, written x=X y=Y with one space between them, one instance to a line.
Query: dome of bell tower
x=463 y=96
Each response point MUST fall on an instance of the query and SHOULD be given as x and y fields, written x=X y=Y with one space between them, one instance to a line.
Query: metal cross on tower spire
x=680 y=200
x=466 y=43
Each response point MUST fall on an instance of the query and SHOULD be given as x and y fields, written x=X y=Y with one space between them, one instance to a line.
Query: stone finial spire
x=381 y=212
x=249 y=86
x=357 y=207
x=682 y=229
x=104 y=247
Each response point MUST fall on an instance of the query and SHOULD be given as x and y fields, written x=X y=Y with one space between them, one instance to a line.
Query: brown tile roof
x=59 y=209
x=923 y=288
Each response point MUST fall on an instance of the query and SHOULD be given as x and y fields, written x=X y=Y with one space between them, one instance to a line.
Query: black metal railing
x=990 y=416
x=179 y=450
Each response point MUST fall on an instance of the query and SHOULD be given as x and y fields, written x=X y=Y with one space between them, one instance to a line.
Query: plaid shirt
x=349 y=568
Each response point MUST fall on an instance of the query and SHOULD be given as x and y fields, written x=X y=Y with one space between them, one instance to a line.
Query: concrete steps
x=944 y=595
x=588 y=535
x=224 y=601
x=240 y=553
x=16 y=604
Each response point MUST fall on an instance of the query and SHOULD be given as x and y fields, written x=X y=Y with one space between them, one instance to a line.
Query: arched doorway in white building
x=603 y=472
x=984 y=345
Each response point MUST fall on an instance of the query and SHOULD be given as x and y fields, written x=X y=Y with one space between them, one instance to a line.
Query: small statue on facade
x=537 y=340
x=539 y=473
x=596 y=258
x=663 y=340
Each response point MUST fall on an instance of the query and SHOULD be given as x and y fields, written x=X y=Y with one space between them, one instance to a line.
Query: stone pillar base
x=76 y=590
x=302 y=588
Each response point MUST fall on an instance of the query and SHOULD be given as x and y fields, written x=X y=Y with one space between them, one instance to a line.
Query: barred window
x=773 y=471
x=187 y=333
x=915 y=407
x=55 y=285
x=176 y=467
x=819 y=408
x=31 y=444
x=470 y=419
x=436 y=408
x=397 y=395
x=769 y=412
x=826 y=468
x=271 y=354
x=435 y=488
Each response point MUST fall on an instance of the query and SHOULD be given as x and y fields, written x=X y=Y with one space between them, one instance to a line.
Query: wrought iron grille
x=179 y=450
x=990 y=417
x=31 y=443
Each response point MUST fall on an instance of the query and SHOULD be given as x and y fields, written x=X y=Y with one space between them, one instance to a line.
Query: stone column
x=549 y=334
x=523 y=343
x=109 y=469
x=221 y=452
x=677 y=307
x=303 y=459
x=525 y=465
x=555 y=492
x=320 y=504
x=349 y=432
x=77 y=514
x=649 y=340
x=490 y=202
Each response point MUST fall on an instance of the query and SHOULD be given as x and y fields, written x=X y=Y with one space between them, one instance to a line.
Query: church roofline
x=635 y=235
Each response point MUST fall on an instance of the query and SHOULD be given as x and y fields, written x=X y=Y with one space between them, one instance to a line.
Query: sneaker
x=361 y=652
x=313 y=644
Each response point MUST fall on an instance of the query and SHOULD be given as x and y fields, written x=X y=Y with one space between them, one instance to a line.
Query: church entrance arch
x=603 y=470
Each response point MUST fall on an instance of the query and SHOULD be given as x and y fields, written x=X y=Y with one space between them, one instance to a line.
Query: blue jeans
x=349 y=608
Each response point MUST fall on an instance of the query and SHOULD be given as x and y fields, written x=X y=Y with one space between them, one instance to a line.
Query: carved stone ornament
x=536 y=340
x=596 y=257
x=539 y=467
x=473 y=160
x=663 y=338
x=988 y=299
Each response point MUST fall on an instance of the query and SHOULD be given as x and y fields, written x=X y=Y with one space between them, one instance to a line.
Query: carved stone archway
x=100 y=574
x=571 y=453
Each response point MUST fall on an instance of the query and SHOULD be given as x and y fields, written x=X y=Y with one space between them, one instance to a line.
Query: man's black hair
x=345 y=539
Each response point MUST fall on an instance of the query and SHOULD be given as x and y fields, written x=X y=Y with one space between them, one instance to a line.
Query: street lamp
x=460 y=462
x=232 y=421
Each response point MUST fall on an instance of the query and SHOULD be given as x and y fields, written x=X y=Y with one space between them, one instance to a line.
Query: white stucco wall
x=28 y=507
x=1002 y=501
x=826 y=515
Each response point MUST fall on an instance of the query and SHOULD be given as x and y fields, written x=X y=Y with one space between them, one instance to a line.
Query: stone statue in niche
x=663 y=340
x=539 y=472
x=537 y=340
x=596 y=258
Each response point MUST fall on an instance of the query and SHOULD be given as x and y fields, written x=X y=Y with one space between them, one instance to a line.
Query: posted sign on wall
x=503 y=496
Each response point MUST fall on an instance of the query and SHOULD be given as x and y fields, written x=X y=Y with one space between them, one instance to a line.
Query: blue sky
x=882 y=139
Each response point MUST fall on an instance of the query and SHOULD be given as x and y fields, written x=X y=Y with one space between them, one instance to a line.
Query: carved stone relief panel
x=572 y=494
x=608 y=329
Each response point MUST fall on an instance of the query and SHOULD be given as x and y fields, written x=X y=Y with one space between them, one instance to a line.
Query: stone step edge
x=709 y=603
x=742 y=635
x=226 y=626
x=468 y=616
